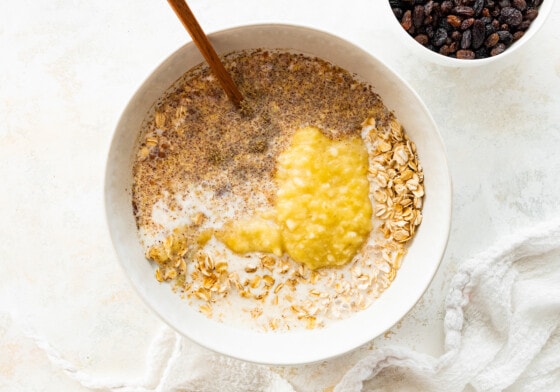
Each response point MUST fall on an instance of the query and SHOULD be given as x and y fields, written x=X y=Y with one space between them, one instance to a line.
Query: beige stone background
x=67 y=69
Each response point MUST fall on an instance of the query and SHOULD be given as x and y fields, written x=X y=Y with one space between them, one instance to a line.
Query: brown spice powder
x=195 y=135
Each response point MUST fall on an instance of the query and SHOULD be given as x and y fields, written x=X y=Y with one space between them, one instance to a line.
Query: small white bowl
x=301 y=346
x=434 y=57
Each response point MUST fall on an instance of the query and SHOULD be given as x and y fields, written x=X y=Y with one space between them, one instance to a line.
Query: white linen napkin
x=501 y=328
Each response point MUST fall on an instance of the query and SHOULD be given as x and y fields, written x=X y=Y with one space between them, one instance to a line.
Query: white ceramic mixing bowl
x=296 y=346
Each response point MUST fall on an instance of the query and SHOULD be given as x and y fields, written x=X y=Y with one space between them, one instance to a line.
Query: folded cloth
x=501 y=334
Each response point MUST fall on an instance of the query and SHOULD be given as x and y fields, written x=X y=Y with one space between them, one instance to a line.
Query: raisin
x=511 y=16
x=422 y=39
x=463 y=11
x=440 y=37
x=505 y=36
x=418 y=16
x=492 y=40
x=499 y=48
x=407 y=20
x=428 y=7
x=446 y=7
x=454 y=20
x=531 y=14
x=517 y=35
x=521 y=5
x=465 y=54
x=478 y=6
x=467 y=23
x=466 y=39
x=478 y=33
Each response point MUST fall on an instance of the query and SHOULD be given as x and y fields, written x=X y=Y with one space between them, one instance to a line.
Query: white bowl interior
x=403 y=36
x=302 y=346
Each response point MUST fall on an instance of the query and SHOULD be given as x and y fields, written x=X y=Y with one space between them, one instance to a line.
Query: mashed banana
x=323 y=201
x=323 y=211
x=252 y=235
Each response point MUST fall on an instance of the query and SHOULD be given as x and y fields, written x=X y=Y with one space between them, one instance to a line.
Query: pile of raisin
x=466 y=29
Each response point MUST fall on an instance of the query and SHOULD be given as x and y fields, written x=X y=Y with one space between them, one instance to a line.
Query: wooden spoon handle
x=201 y=40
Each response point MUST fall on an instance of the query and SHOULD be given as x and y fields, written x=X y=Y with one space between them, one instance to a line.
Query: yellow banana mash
x=322 y=212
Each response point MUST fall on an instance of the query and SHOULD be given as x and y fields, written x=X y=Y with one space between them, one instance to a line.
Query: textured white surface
x=66 y=72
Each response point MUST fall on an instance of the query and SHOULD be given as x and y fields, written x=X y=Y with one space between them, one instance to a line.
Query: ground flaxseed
x=197 y=134
x=201 y=162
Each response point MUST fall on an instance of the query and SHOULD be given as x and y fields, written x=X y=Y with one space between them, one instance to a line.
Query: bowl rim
x=298 y=336
x=545 y=10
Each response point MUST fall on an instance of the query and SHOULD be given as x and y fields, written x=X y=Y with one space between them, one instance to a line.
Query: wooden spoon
x=207 y=50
